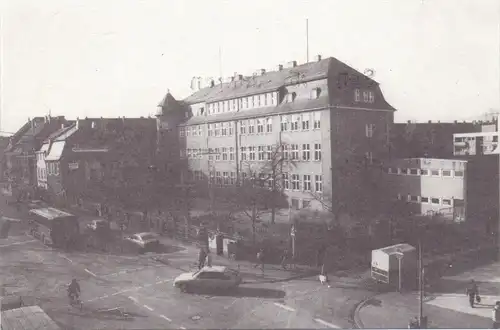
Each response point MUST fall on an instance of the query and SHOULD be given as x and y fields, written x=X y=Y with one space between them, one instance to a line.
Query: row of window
x=307 y=152
x=42 y=174
x=426 y=172
x=53 y=168
x=303 y=182
x=295 y=122
x=426 y=200
x=301 y=122
x=249 y=102
x=368 y=96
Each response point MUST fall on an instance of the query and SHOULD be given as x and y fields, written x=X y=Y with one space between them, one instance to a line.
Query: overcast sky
x=434 y=59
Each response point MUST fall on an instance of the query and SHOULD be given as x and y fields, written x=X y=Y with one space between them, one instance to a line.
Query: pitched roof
x=270 y=81
x=299 y=105
x=167 y=101
x=60 y=131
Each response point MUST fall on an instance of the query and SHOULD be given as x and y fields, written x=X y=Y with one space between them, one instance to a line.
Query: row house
x=99 y=158
x=323 y=117
x=19 y=158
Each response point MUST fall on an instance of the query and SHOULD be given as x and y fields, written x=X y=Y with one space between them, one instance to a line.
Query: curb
x=358 y=323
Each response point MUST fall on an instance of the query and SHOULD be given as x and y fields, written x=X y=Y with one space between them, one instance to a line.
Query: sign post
x=400 y=257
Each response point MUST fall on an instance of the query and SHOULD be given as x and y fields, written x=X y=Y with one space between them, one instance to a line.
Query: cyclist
x=74 y=290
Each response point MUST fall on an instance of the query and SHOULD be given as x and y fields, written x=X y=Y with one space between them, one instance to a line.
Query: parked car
x=144 y=240
x=215 y=277
x=99 y=224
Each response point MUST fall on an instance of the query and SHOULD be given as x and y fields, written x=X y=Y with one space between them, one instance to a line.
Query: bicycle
x=75 y=301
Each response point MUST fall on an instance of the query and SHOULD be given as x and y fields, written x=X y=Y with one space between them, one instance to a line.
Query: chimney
x=212 y=83
x=62 y=125
x=77 y=123
x=280 y=67
x=317 y=58
x=430 y=122
x=262 y=72
x=238 y=77
x=291 y=64
x=409 y=121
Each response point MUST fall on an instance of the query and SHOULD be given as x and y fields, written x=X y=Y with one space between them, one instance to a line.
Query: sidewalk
x=446 y=307
x=251 y=274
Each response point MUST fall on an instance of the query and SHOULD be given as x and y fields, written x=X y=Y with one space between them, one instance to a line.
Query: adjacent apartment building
x=323 y=117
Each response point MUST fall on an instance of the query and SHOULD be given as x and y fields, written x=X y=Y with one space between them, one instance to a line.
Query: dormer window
x=93 y=124
x=315 y=93
x=290 y=97
x=202 y=111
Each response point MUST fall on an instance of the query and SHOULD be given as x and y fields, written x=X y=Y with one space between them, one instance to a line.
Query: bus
x=52 y=226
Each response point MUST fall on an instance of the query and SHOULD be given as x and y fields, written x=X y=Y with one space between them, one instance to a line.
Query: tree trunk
x=273 y=204
x=254 y=215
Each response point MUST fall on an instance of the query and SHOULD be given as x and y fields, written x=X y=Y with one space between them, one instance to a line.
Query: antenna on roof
x=307 y=40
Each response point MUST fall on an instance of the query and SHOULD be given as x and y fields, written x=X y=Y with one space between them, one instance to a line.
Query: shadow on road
x=240 y=292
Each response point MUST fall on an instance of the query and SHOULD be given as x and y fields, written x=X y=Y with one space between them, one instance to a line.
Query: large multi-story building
x=323 y=117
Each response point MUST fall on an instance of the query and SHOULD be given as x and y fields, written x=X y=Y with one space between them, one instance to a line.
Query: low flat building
x=455 y=190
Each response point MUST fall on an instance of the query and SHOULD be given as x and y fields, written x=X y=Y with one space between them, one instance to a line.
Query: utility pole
x=422 y=320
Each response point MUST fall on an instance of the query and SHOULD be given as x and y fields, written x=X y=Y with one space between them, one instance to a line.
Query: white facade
x=41 y=166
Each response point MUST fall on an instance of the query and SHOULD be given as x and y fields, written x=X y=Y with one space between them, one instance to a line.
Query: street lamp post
x=400 y=257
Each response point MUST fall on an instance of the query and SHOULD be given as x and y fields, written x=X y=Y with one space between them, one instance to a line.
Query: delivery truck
x=391 y=262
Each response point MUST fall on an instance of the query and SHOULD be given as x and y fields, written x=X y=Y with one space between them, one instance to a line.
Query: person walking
x=202 y=255
x=496 y=315
x=284 y=259
x=260 y=259
x=473 y=292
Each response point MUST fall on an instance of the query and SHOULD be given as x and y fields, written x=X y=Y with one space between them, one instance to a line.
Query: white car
x=215 y=277
x=144 y=240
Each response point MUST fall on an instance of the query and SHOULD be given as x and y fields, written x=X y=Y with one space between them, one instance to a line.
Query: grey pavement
x=446 y=305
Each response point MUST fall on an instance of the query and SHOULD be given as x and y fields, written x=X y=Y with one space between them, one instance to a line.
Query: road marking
x=18 y=243
x=328 y=324
x=98 y=298
x=148 y=308
x=183 y=328
x=290 y=309
x=163 y=281
x=231 y=304
x=166 y=318
x=68 y=259
x=133 y=299
x=88 y=271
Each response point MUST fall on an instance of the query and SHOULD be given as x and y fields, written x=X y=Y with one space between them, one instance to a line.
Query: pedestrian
x=472 y=291
x=202 y=255
x=284 y=259
x=496 y=315
x=260 y=259
x=323 y=277
x=209 y=258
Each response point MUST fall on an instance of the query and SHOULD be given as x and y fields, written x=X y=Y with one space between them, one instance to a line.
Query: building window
x=294 y=125
x=210 y=130
x=459 y=173
x=295 y=182
x=306 y=182
x=446 y=173
x=435 y=200
x=424 y=199
x=231 y=153
x=369 y=130
x=200 y=131
x=365 y=97
x=306 y=203
x=290 y=97
x=284 y=123
x=217 y=129
x=232 y=179
x=245 y=103
x=435 y=172
x=269 y=125
x=217 y=154
x=318 y=183
x=413 y=171
x=391 y=170
x=446 y=202
x=306 y=152
x=315 y=92
x=371 y=97
x=269 y=152
x=285 y=181
x=251 y=153
x=243 y=127
x=317 y=120
x=218 y=178
x=224 y=153
x=200 y=153
x=273 y=98
x=284 y=150
x=261 y=152
x=182 y=131
x=413 y=199
x=305 y=121
x=295 y=152
x=424 y=172
x=251 y=126
x=231 y=128
x=183 y=153
x=295 y=203
x=225 y=178
x=260 y=125
x=243 y=153
x=224 y=129
x=317 y=151
x=357 y=95
x=189 y=155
